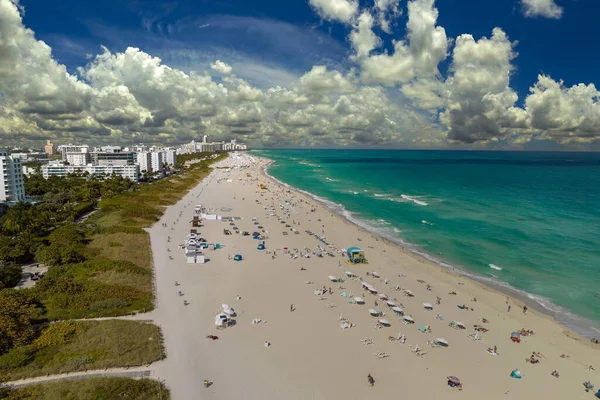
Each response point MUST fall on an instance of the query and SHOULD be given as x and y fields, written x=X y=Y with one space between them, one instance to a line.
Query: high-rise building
x=156 y=161
x=170 y=156
x=12 y=186
x=79 y=158
x=49 y=147
x=113 y=158
x=144 y=160
x=72 y=148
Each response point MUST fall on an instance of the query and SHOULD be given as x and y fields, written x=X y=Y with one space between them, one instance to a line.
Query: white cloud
x=541 y=8
x=320 y=81
x=362 y=37
x=564 y=114
x=426 y=45
x=481 y=102
x=335 y=10
x=221 y=67
x=387 y=12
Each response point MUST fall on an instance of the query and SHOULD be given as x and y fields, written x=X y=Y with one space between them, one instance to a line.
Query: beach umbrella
x=454 y=380
x=384 y=322
x=225 y=306
x=428 y=306
x=383 y=296
x=460 y=324
x=409 y=292
x=375 y=274
x=397 y=310
x=515 y=335
x=516 y=374
x=409 y=318
x=332 y=278
x=441 y=341
x=374 y=312
x=390 y=303
x=359 y=300
x=349 y=274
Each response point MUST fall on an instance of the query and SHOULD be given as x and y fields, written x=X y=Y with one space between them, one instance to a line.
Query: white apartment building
x=12 y=187
x=157 y=161
x=72 y=148
x=170 y=156
x=131 y=172
x=30 y=156
x=78 y=158
x=144 y=160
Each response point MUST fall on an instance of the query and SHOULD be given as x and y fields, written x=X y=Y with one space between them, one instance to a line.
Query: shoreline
x=579 y=326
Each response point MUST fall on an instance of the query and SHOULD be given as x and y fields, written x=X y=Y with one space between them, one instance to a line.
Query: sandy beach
x=309 y=355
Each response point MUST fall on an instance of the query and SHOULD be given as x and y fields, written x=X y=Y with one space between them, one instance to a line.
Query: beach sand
x=310 y=356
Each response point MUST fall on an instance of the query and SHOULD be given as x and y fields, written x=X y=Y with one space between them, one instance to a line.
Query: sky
x=456 y=74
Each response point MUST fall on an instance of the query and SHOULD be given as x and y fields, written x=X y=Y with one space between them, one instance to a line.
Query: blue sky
x=433 y=101
x=566 y=49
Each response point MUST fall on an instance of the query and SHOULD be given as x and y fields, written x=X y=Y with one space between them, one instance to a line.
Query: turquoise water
x=534 y=215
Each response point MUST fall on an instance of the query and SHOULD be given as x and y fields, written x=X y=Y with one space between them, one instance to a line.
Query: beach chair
x=433 y=344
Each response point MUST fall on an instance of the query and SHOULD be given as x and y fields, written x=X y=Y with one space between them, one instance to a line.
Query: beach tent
x=516 y=374
x=397 y=310
x=237 y=257
x=356 y=255
x=221 y=319
x=515 y=337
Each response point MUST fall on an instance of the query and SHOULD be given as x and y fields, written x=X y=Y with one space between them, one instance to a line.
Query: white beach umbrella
x=409 y=318
x=349 y=274
x=359 y=300
x=373 y=312
x=397 y=310
x=428 y=306
x=461 y=324
x=441 y=341
x=383 y=296
x=225 y=306
x=384 y=322
x=375 y=274
x=332 y=278
x=390 y=303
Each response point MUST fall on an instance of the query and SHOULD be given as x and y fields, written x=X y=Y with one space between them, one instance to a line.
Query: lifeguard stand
x=356 y=255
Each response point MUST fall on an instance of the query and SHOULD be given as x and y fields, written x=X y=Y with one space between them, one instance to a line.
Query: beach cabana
x=356 y=255
x=397 y=310
x=237 y=257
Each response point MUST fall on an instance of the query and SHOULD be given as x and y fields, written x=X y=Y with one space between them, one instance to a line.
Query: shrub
x=56 y=334
x=17 y=357
x=114 y=244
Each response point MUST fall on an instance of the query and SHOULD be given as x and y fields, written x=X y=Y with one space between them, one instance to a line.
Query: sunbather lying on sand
x=555 y=373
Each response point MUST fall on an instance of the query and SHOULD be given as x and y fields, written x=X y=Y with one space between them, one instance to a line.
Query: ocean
x=527 y=223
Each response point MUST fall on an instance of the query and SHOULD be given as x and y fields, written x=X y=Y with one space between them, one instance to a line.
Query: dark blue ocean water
x=534 y=215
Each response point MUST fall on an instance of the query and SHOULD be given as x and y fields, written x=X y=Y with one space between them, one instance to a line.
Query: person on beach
x=524 y=309
x=370 y=380
x=438 y=301
x=508 y=308
x=291 y=307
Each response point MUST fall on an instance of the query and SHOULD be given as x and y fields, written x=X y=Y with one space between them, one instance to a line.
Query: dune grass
x=70 y=346
x=91 y=389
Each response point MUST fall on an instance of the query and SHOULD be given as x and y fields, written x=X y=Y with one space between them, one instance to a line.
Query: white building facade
x=72 y=148
x=12 y=186
x=156 y=161
x=144 y=160
x=131 y=172
x=78 y=158
x=170 y=156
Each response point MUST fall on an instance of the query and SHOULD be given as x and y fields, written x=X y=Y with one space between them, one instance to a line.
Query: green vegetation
x=91 y=389
x=102 y=267
x=10 y=275
x=70 y=346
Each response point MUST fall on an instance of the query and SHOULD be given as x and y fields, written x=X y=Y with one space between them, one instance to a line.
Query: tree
x=10 y=275
x=17 y=313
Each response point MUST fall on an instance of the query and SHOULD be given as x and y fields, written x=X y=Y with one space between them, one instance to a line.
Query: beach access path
x=310 y=356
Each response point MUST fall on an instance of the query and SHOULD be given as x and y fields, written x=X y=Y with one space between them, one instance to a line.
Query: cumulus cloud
x=335 y=10
x=362 y=37
x=541 y=8
x=387 y=12
x=567 y=115
x=481 y=102
x=221 y=67
x=419 y=55
x=398 y=97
